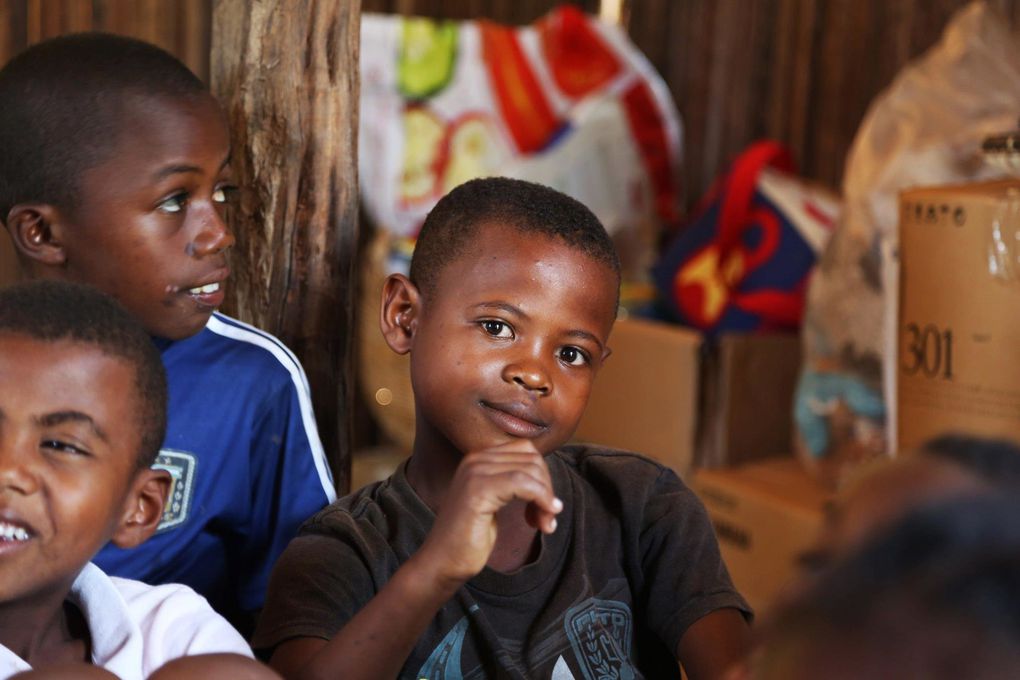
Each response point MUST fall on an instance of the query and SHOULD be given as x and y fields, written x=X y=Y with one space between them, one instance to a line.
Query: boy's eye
x=63 y=447
x=573 y=356
x=223 y=194
x=173 y=204
x=497 y=329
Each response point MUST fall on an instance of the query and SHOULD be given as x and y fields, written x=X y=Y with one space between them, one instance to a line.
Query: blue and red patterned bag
x=743 y=262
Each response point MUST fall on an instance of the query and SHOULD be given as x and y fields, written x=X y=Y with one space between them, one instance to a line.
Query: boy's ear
x=32 y=230
x=144 y=508
x=398 y=316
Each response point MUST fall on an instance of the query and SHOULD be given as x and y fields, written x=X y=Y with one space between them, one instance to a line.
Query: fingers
x=543 y=520
x=498 y=476
x=464 y=534
x=490 y=486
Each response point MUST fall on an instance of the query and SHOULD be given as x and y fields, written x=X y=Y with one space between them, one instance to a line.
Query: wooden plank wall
x=182 y=27
x=801 y=71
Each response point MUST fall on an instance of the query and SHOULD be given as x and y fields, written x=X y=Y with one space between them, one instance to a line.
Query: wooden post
x=287 y=73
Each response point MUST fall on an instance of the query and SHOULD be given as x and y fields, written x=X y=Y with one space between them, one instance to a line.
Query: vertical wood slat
x=77 y=16
x=289 y=81
x=13 y=28
x=33 y=21
x=194 y=35
x=503 y=11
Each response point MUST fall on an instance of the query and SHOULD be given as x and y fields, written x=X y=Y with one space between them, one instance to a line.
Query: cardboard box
x=645 y=398
x=959 y=312
x=668 y=394
x=766 y=515
x=748 y=381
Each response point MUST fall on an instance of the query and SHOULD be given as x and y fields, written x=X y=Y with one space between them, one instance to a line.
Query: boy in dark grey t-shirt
x=496 y=551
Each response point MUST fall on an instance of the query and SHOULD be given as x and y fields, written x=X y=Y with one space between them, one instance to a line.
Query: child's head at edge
x=934 y=594
x=115 y=174
x=506 y=314
x=947 y=466
x=82 y=416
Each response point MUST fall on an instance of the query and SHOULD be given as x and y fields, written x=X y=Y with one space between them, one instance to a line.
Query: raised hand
x=464 y=534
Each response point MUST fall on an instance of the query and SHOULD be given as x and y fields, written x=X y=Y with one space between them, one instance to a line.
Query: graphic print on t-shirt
x=599 y=632
x=181 y=465
x=444 y=662
x=561 y=671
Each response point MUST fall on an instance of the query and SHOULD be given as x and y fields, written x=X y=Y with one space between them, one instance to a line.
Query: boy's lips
x=516 y=419
x=211 y=295
x=211 y=291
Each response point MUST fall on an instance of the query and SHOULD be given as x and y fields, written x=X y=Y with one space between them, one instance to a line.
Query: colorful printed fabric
x=568 y=102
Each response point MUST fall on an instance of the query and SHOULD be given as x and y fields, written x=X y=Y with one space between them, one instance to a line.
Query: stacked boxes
x=667 y=393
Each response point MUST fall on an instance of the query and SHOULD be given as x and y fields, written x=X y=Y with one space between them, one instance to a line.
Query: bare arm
x=713 y=644
x=379 y=638
x=376 y=642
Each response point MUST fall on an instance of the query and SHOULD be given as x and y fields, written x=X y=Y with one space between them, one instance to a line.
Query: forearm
x=376 y=642
x=714 y=644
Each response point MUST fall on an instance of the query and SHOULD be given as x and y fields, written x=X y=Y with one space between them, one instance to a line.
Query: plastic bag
x=926 y=128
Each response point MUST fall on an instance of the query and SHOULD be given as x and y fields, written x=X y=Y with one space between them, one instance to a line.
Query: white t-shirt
x=136 y=628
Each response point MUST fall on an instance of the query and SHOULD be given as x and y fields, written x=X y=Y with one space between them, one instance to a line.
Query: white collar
x=116 y=638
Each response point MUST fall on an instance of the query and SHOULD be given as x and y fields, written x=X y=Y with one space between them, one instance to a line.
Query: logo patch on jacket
x=181 y=466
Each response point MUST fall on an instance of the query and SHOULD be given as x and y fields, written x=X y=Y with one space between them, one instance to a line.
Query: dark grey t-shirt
x=632 y=564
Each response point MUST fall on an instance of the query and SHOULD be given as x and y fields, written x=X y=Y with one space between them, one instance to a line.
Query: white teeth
x=10 y=532
x=208 y=288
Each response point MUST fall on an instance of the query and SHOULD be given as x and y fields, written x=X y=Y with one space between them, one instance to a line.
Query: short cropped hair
x=55 y=311
x=935 y=595
x=62 y=104
x=525 y=206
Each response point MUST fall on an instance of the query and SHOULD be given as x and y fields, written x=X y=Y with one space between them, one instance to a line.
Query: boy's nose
x=529 y=375
x=214 y=237
x=16 y=474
